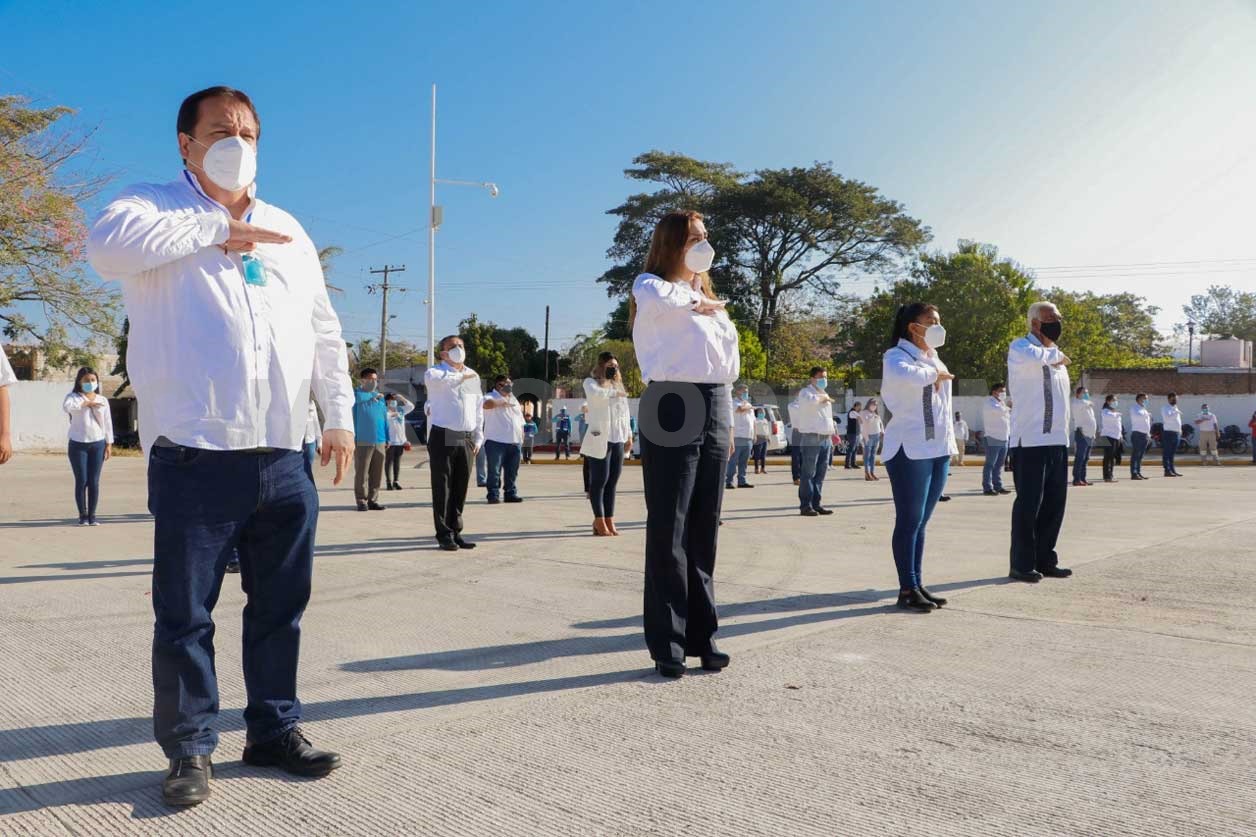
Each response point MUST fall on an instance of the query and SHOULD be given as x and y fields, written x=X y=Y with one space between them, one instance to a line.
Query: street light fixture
x=435 y=216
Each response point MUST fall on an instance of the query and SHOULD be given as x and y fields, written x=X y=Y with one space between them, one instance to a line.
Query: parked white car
x=778 y=436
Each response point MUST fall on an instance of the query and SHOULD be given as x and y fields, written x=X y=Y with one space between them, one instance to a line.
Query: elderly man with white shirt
x=1170 y=435
x=815 y=426
x=996 y=423
x=229 y=314
x=7 y=378
x=454 y=437
x=1037 y=377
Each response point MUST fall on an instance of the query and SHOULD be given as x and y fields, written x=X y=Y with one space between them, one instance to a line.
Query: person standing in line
x=312 y=442
x=370 y=433
x=743 y=438
x=7 y=379
x=455 y=435
x=1170 y=435
x=759 y=453
x=481 y=466
x=608 y=438
x=1140 y=435
x=996 y=419
x=870 y=431
x=961 y=439
x=1113 y=434
x=562 y=434
x=853 y=435
x=582 y=428
x=398 y=407
x=1251 y=425
x=529 y=434
x=1209 y=429
x=815 y=424
x=1085 y=429
x=688 y=351
x=919 y=441
x=795 y=442
x=503 y=438
x=91 y=441
x=231 y=327
x=1037 y=377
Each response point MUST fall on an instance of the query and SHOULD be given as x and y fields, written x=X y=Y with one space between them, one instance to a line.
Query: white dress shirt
x=743 y=420
x=87 y=423
x=1040 y=394
x=453 y=403
x=1111 y=423
x=504 y=424
x=7 y=375
x=313 y=427
x=609 y=419
x=1207 y=423
x=961 y=431
x=1172 y=418
x=1140 y=419
x=869 y=424
x=762 y=428
x=675 y=343
x=815 y=411
x=397 y=421
x=1083 y=413
x=217 y=363
x=996 y=420
x=920 y=412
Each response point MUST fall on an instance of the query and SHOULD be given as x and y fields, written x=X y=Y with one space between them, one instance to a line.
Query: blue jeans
x=795 y=455
x=503 y=461
x=1139 y=443
x=208 y=507
x=311 y=453
x=916 y=484
x=992 y=471
x=870 y=453
x=604 y=478
x=86 y=460
x=1168 y=453
x=481 y=466
x=852 y=449
x=1081 y=454
x=737 y=462
x=815 y=452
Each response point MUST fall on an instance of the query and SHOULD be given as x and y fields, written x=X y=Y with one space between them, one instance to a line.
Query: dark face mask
x=1051 y=331
x=506 y=389
x=612 y=371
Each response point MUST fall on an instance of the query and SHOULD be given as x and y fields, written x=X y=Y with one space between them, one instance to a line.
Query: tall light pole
x=1190 y=347
x=434 y=218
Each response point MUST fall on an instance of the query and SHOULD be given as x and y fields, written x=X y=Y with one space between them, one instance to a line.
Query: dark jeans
x=527 y=450
x=1138 y=441
x=738 y=461
x=503 y=466
x=208 y=507
x=1109 y=458
x=481 y=467
x=86 y=460
x=852 y=449
x=392 y=463
x=1081 y=454
x=562 y=443
x=1169 y=440
x=816 y=448
x=311 y=453
x=450 y=461
x=759 y=454
x=685 y=430
x=603 y=478
x=795 y=455
x=992 y=471
x=1041 y=475
x=916 y=484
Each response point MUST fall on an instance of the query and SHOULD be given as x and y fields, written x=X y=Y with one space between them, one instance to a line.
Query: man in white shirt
x=455 y=436
x=1209 y=429
x=743 y=438
x=7 y=378
x=503 y=439
x=815 y=441
x=961 y=439
x=1140 y=435
x=996 y=427
x=1085 y=429
x=1037 y=379
x=228 y=319
x=1170 y=435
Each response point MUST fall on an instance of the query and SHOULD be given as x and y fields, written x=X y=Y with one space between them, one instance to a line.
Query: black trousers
x=1041 y=476
x=392 y=463
x=451 y=462
x=685 y=434
x=1111 y=454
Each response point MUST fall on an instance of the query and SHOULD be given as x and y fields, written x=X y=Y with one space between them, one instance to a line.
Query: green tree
x=325 y=256
x=401 y=353
x=581 y=357
x=1223 y=312
x=1093 y=338
x=616 y=326
x=754 y=359
x=486 y=353
x=42 y=233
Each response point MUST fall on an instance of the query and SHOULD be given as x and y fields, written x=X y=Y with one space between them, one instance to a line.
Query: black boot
x=187 y=783
x=914 y=600
x=937 y=600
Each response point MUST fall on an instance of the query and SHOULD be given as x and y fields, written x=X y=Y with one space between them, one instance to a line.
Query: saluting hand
x=243 y=237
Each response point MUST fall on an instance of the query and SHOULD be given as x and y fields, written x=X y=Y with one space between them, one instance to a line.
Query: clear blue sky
x=1065 y=132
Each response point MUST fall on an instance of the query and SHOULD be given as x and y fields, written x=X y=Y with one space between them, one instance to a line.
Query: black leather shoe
x=374 y=506
x=1004 y=490
x=744 y=485
x=448 y=546
x=1032 y=577
x=187 y=783
x=809 y=513
x=945 y=498
x=729 y=486
x=669 y=668
x=823 y=511
x=492 y=501
x=461 y=544
x=714 y=661
x=993 y=493
x=514 y=499
x=361 y=506
x=937 y=600
x=1057 y=572
x=292 y=753
x=914 y=600
x=397 y=486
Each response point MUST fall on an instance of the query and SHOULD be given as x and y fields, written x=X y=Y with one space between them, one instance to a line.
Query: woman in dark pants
x=1112 y=432
x=608 y=432
x=687 y=349
x=90 y=443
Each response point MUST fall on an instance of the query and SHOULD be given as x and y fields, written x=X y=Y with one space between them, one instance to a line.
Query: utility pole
x=384 y=288
x=547 y=345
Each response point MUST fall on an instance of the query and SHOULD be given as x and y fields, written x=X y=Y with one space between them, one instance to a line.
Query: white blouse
x=920 y=412
x=870 y=424
x=88 y=423
x=1111 y=423
x=675 y=343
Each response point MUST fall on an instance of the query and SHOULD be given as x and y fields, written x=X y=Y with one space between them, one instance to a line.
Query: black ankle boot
x=937 y=600
x=914 y=600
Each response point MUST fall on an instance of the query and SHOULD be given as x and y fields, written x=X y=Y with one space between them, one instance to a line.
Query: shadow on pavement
x=103 y=520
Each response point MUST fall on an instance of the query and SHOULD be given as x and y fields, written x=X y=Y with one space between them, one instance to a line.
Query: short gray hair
x=1036 y=309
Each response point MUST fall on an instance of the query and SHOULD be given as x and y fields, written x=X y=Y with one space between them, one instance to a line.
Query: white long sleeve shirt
x=1171 y=416
x=1083 y=415
x=313 y=427
x=1140 y=419
x=675 y=343
x=743 y=420
x=815 y=412
x=996 y=420
x=504 y=424
x=218 y=363
x=1040 y=394
x=453 y=403
x=1207 y=423
x=7 y=375
x=1111 y=427
x=397 y=420
x=88 y=423
x=961 y=431
x=920 y=412
x=870 y=424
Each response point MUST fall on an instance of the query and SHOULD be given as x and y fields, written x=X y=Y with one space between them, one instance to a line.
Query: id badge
x=254 y=270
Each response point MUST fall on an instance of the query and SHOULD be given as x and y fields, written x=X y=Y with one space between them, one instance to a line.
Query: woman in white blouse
x=1113 y=433
x=91 y=441
x=870 y=430
x=919 y=440
x=687 y=349
x=608 y=435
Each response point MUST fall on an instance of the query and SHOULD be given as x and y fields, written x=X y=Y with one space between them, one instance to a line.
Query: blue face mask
x=1116 y=404
x=89 y=386
x=822 y=383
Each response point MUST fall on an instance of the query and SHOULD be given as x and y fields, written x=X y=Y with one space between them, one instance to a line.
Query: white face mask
x=230 y=163
x=700 y=257
x=935 y=336
x=457 y=354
